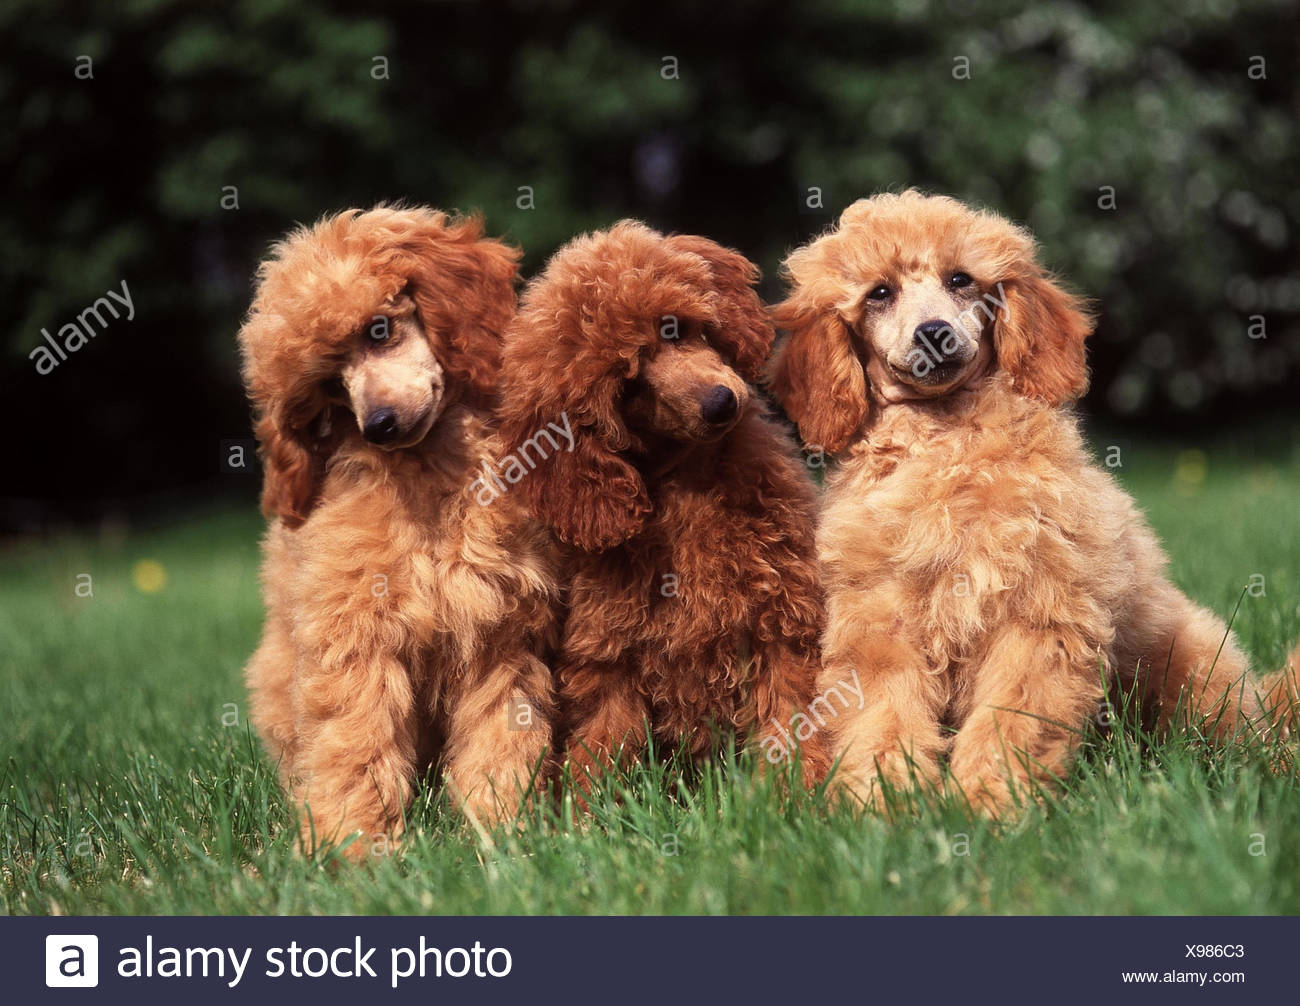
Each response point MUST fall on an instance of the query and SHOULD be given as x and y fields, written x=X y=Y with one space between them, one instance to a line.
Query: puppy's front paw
x=357 y=844
x=993 y=793
x=891 y=774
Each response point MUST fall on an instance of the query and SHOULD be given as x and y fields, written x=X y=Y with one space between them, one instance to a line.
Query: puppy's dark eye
x=881 y=292
x=959 y=279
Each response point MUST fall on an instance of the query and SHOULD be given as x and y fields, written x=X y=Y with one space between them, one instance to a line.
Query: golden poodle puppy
x=686 y=515
x=404 y=621
x=984 y=576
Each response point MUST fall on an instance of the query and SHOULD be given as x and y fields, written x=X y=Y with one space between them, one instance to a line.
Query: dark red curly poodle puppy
x=693 y=596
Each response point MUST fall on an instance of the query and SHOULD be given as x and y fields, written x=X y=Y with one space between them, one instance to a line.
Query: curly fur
x=983 y=574
x=402 y=618
x=693 y=600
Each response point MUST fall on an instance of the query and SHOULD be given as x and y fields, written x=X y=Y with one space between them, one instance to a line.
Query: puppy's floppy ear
x=1039 y=336
x=816 y=374
x=744 y=332
x=293 y=464
x=563 y=372
x=589 y=495
x=463 y=285
x=584 y=490
x=292 y=421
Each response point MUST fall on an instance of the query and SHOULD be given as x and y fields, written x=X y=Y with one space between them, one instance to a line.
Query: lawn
x=131 y=782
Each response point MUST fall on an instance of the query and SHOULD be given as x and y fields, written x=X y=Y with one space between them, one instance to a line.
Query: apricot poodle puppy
x=988 y=580
x=404 y=621
x=686 y=516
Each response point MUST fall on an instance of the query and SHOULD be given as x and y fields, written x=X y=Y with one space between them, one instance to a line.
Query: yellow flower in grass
x=1190 y=470
x=149 y=576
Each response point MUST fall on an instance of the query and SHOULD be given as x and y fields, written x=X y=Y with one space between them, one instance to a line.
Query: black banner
x=643 y=960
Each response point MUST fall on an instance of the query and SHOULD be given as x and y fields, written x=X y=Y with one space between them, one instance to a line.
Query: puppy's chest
x=706 y=550
x=670 y=586
x=950 y=509
x=452 y=573
x=665 y=579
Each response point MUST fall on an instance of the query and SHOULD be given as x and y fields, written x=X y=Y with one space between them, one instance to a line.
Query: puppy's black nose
x=381 y=426
x=719 y=406
x=938 y=338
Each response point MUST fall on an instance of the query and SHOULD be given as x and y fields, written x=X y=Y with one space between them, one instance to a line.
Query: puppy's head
x=686 y=392
x=391 y=381
x=913 y=297
x=643 y=344
x=368 y=325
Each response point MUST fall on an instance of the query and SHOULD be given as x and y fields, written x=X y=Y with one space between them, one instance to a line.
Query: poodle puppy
x=686 y=517
x=404 y=621
x=987 y=580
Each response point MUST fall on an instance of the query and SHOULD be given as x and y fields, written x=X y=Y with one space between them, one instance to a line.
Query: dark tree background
x=1151 y=147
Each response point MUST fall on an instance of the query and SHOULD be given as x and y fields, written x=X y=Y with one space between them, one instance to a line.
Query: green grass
x=123 y=791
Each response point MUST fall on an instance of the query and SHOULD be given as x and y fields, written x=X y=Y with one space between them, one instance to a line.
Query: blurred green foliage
x=706 y=118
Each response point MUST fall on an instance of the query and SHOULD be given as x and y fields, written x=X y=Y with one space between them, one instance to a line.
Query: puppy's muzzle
x=939 y=352
x=942 y=342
